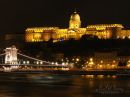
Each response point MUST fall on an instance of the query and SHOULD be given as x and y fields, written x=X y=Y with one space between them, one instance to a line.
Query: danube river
x=40 y=85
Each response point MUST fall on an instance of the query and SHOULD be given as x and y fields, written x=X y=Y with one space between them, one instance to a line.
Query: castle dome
x=75 y=21
x=75 y=16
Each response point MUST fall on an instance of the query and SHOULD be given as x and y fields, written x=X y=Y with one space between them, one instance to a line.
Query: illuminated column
x=11 y=55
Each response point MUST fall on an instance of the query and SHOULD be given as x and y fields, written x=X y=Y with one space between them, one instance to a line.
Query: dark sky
x=17 y=15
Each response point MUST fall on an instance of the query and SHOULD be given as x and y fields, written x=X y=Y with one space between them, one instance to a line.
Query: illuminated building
x=123 y=34
x=105 y=31
x=107 y=60
x=38 y=34
x=75 y=21
x=104 y=60
x=75 y=31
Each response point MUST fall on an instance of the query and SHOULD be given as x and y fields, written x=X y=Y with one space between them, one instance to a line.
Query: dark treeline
x=83 y=47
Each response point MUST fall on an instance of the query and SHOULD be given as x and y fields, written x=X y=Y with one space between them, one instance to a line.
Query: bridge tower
x=11 y=55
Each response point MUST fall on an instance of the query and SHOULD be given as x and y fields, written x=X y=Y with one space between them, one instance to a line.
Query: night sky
x=17 y=15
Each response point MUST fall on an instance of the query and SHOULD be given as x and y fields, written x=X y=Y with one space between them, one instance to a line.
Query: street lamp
x=77 y=59
x=90 y=63
x=27 y=62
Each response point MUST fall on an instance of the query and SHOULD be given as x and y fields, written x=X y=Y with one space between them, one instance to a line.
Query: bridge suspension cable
x=33 y=58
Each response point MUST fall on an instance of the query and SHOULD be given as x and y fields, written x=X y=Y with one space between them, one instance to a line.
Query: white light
x=56 y=63
x=77 y=59
x=41 y=62
x=118 y=37
x=24 y=62
x=63 y=64
x=37 y=62
x=66 y=63
x=27 y=62
x=101 y=61
x=91 y=59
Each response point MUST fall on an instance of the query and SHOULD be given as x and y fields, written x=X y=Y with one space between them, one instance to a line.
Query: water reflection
x=26 y=85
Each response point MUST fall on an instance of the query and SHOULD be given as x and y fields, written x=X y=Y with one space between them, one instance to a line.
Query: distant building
x=123 y=34
x=107 y=60
x=102 y=31
x=105 y=31
x=38 y=34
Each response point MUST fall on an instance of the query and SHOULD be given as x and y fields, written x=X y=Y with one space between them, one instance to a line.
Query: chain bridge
x=12 y=60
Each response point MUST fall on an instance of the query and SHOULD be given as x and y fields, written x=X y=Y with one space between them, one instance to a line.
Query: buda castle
x=75 y=31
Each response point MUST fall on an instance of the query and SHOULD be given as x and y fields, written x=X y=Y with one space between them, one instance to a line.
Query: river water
x=31 y=85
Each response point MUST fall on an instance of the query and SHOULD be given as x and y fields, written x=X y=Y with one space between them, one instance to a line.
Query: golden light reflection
x=100 y=76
